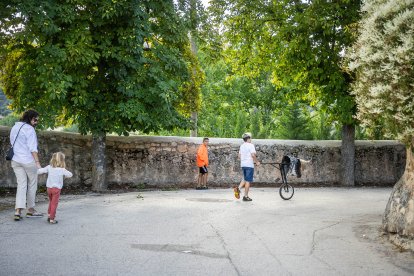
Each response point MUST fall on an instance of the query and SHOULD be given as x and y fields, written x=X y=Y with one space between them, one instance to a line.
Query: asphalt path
x=320 y=231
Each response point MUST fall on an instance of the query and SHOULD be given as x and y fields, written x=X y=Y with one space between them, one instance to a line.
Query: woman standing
x=25 y=163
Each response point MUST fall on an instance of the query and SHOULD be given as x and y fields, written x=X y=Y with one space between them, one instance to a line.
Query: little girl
x=56 y=172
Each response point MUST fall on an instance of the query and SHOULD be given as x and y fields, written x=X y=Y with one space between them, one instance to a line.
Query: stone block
x=182 y=148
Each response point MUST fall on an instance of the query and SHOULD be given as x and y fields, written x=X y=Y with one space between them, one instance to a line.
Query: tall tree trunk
x=347 y=171
x=194 y=118
x=194 y=114
x=399 y=213
x=99 y=162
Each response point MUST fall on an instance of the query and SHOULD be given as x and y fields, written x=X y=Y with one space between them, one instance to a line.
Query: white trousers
x=26 y=175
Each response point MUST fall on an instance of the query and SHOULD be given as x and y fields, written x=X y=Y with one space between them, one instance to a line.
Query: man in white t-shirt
x=247 y=156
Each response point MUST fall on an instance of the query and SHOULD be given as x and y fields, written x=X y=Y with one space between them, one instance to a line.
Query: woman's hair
x=58 y=160
x=29 y=115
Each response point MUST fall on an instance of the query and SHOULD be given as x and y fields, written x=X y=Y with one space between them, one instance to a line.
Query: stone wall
x=147 y=161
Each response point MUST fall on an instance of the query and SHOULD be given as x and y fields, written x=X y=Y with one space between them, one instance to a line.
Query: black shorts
x=203 y=170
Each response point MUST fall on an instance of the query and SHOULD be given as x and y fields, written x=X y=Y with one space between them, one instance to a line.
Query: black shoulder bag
x=10 y=152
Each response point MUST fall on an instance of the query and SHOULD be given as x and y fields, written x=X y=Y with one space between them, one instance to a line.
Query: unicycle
x=286 y=190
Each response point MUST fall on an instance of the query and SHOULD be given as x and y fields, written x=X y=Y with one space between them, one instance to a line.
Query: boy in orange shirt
x=202 y=164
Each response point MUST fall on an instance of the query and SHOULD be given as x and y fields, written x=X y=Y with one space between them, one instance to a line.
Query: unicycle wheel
x=286 y=191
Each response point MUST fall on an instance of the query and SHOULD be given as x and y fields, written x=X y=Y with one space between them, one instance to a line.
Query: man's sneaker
x=246 y=198
x=236 y=192
x=34 y=215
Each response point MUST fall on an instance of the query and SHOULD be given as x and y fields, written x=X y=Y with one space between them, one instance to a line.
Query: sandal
x=236 y=192
x=52 y=221
x=35 y=214
x=17 y=217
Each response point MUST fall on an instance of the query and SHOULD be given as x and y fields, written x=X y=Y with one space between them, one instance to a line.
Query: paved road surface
x=321 y=231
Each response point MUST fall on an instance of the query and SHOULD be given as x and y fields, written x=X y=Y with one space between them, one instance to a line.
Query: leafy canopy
x=383 y=60
x=84 y=61
x=301 y=43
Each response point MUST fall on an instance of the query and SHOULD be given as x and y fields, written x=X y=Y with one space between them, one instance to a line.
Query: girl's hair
x=58 y=160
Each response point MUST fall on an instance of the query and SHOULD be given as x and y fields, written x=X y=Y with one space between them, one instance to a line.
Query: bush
x=9 y=120
x=72 y=128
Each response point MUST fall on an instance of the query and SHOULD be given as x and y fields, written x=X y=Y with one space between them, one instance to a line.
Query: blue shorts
x=248 y=174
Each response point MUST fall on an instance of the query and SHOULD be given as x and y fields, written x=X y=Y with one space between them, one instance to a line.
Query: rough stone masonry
x=153 y=161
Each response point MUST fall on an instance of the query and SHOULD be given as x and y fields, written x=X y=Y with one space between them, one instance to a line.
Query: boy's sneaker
x=246 y=198
x=236 y=192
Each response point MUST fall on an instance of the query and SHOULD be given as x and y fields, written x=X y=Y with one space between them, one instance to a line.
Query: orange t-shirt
x=202 y=156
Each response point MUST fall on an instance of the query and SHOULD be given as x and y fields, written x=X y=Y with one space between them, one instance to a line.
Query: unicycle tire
x=286 y=191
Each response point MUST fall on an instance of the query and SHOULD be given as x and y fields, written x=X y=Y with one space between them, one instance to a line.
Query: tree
x=301 y=43
x=382 y=59
x=224 y=106
x=230 y=102
x=194 y=17
x=323 y=128
x=294 y=124
x=4 y=102
x=84 y=62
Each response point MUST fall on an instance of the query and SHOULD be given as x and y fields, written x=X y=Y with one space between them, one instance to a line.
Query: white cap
x=246 y=135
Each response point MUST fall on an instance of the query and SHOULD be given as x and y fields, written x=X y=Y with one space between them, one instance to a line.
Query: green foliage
x=9 y=80
x=9 y=120
x=191 y=89
x=233 y=104
x=294 y=124
x=203 y=31
x=83 y=62
x=226 y=102
x=300 y=42
x=255 y=123
x=241 y=123
x=71 y=128
x=382 y=59
x=4 y=102
x=193 y=15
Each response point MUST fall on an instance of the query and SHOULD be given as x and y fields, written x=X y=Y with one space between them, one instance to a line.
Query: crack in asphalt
x=176 y=248
x=267 y=248
x=314 y=234
x=223 y=243
x=314 y=246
